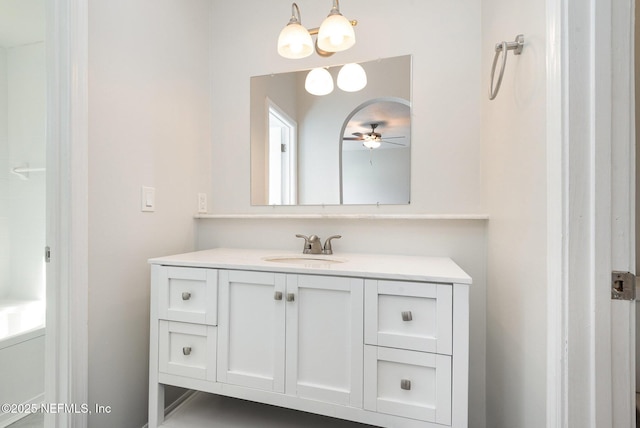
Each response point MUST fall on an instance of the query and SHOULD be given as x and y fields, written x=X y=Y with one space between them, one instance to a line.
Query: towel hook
x=503 y=47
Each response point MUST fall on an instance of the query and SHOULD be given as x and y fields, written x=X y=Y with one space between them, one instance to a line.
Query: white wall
x=149 y=125
x=370 y=176
x=22 y=212
x=446 y=91
x=514 y=176
x=446 y=150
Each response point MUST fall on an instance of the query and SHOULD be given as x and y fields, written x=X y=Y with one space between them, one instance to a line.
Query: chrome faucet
x=312 y=244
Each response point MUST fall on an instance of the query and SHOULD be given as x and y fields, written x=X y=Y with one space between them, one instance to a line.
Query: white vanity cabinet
x=381 y=340
x=295 y=334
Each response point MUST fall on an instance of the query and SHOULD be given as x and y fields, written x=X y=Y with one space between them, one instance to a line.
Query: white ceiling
x=21 y=22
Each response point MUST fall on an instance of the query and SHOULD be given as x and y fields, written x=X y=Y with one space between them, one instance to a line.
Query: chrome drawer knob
x=407 y=316
x=186 y=295
x=277 y=295
x=186 y=350
x=405 y=384
x=291 y=297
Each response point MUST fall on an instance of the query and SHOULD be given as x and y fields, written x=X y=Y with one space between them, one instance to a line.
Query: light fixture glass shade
x=352 y=78
x=295 y=41
x=319 y=82
x=336 y=34
x=371 y=144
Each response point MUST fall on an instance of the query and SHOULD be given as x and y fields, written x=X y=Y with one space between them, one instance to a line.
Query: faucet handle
x=327 y=244
x=307 y=244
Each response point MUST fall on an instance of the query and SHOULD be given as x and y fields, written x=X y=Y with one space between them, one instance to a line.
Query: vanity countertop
x=381 y=266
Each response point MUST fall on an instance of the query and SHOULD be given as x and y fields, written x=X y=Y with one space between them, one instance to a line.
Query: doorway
x=282 y=159
x=23 y=104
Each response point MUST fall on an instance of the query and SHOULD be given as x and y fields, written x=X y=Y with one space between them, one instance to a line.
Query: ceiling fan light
x=371 y=144
x=336 y=33
x=319 y=82
x=352 y=78
x=295 y=41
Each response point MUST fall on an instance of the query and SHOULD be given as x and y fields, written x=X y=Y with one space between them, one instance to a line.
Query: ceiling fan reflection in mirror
x=373 y=140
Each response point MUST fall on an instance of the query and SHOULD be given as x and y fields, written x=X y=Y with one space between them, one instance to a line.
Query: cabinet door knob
x=186 y=295
x=277 y=295
x=291 y=297
x=406 y=316
x=186 y=350
x=405 y=384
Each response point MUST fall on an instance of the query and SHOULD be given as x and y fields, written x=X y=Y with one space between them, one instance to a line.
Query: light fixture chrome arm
x=295 y=14
x=335 y=10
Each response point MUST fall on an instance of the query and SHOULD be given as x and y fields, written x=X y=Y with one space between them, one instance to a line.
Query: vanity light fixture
x=334 y=35
x=352 y=78
x=319 y=82
x=336 y=32
x=295 y=41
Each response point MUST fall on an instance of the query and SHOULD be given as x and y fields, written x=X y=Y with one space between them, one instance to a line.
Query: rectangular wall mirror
x=339 y=148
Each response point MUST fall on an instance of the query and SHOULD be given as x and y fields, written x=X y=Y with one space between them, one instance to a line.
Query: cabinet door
x=325 y=338
x=251 y=329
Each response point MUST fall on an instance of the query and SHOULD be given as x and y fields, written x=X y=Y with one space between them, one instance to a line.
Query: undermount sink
x=304 y=259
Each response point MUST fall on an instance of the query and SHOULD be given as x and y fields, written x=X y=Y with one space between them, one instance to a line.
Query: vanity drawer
x=187 y=350
x=409 y=315
x=405 y=383
x=188 y=294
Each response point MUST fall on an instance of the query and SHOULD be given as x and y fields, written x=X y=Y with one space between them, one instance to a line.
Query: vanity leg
x=156 y=389
x=156 y=405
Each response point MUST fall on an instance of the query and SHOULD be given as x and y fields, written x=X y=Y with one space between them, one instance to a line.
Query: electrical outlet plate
x=202 y=203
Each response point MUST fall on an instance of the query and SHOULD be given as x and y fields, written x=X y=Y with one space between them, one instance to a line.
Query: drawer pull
x=406 y=316
x=277 y=295
x=186 y=350
x=291 y=297
x=186 y=295
x=405 y=384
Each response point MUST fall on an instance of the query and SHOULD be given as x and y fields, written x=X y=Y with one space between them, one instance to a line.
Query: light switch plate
x=148 y=199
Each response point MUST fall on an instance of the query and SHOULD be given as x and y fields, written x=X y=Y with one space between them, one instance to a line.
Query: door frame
x=591 y=194
x=66 y=350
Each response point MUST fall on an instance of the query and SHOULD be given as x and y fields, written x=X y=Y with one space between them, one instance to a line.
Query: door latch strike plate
x=623 y=286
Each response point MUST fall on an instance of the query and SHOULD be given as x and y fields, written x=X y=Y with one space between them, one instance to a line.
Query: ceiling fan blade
x=395 y=144
x=352 y=139
x=358 y=134
x=400 y=136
